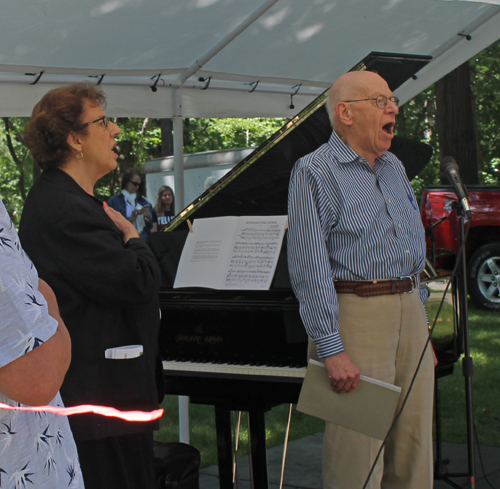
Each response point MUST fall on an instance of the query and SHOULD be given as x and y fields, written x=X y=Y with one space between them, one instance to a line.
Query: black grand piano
x=246 y=350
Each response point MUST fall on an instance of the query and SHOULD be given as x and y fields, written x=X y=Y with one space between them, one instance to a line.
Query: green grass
x=484 y=335
x=202 y=427
x=485 y=350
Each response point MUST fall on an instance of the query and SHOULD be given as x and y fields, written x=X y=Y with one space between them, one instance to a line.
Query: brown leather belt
x=369 y=288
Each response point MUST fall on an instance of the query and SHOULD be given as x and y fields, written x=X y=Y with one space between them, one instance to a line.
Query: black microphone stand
x=467 y=363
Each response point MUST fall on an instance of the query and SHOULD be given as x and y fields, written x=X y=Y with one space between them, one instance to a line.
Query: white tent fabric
x=271 y=48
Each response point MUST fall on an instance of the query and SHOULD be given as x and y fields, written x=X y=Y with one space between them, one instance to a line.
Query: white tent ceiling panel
x=292 y=44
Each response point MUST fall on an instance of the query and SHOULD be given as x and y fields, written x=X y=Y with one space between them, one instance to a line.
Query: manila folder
x=368 y=409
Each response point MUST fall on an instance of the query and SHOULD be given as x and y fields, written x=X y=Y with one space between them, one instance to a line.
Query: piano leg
x=258 y=448
x=224 y=447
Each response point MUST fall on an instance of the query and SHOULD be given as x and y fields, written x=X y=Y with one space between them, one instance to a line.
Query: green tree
x=139 y=141
x=486 y=87
x=417 y=121
x=456 y=122
x=214 y=134
x=16 y=166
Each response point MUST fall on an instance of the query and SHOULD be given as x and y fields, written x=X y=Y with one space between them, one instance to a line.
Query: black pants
x=121 y=462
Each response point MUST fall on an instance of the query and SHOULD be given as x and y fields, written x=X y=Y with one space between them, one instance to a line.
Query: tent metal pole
x=179 y=156
x=177 y=122
x=256 y=14
x=179 y=197
x=178 y=149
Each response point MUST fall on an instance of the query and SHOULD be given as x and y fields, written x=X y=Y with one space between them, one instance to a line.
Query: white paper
x=124 y=352
x=231 y=253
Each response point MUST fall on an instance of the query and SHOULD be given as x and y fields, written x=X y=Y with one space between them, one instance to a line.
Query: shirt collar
x=344 y=154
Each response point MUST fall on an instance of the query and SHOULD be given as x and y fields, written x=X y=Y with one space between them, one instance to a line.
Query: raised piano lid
x=258 y=185
x=256 y=327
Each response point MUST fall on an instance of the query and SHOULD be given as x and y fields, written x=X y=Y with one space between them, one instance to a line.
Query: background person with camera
x=131 y=204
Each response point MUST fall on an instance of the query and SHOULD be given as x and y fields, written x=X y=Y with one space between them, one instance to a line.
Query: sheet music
x=231 y=253
x=255 y=252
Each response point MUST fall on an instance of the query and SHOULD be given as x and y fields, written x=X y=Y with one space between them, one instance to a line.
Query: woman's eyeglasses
x=104 y=119
x=135 y=184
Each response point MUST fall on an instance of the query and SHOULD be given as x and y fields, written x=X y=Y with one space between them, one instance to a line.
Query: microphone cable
x=417 y=369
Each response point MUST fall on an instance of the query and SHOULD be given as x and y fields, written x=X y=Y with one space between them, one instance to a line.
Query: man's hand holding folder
x=343 y=374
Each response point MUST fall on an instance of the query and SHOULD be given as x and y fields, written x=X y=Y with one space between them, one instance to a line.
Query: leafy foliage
x=486 y=86
x=417 y=120
x=214 y=134
x=16 y=166
x=141 y=140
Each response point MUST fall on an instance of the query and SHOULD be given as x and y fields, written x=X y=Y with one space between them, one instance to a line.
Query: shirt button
x=399 y=226
x=407 y=252
x=389 y=200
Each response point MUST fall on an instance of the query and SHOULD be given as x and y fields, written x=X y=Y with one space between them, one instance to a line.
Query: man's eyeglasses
x=135 y=184
x=381 y=101
x=104 y=119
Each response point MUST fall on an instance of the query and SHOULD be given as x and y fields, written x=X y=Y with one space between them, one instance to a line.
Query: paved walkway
x=303 y=467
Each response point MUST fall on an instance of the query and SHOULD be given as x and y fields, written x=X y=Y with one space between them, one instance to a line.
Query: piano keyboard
x=227 y=369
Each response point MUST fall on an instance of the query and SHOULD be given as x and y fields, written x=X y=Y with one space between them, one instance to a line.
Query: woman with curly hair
x=105 y=278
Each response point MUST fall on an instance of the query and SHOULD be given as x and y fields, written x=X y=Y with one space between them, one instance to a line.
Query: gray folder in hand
x=368 y=409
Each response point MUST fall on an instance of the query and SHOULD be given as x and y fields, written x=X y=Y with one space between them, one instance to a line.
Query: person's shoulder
x=144 y=201
x=316 y=160
x=116 y=201
x=115 y=198
x=51 y=190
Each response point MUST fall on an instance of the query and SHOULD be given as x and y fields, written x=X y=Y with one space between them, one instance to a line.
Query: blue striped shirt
x=347 y=221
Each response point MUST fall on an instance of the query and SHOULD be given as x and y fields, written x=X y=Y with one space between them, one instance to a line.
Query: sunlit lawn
x=484 y=334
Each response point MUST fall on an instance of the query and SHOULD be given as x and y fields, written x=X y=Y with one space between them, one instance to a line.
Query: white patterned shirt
x=347 y=221
x=36 y=449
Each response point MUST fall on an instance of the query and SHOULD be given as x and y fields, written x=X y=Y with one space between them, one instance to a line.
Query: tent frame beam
x=179 y=150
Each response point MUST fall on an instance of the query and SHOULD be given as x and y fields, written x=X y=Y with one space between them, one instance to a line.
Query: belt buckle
x=410 y=277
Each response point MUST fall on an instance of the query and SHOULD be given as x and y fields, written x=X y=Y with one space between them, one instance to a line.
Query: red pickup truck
x=482 y=243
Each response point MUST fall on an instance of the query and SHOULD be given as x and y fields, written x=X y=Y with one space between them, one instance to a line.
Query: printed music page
x=231 y=252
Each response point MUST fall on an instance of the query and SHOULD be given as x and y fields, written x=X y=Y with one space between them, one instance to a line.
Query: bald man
x=356 y=247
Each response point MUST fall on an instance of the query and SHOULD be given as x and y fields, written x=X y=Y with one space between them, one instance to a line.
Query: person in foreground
x=35 y=351
x=106 y=280
x=131 y=204
x=356 y=248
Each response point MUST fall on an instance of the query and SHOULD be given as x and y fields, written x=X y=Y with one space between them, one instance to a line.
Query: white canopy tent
x=252 y=55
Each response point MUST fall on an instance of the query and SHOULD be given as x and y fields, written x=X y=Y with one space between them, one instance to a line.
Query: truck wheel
x=483 y=278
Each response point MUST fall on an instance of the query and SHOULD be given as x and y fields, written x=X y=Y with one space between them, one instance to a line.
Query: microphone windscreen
x=448 y=163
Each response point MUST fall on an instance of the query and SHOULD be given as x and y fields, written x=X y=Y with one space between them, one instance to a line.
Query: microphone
x=449 y=168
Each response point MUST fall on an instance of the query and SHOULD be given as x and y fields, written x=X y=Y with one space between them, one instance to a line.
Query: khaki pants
x=384 y=336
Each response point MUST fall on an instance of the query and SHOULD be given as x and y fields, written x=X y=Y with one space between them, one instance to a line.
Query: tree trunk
x=456 y=123
x=167 y=138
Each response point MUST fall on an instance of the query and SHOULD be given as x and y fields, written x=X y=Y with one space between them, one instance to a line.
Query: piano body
x=246 y=350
